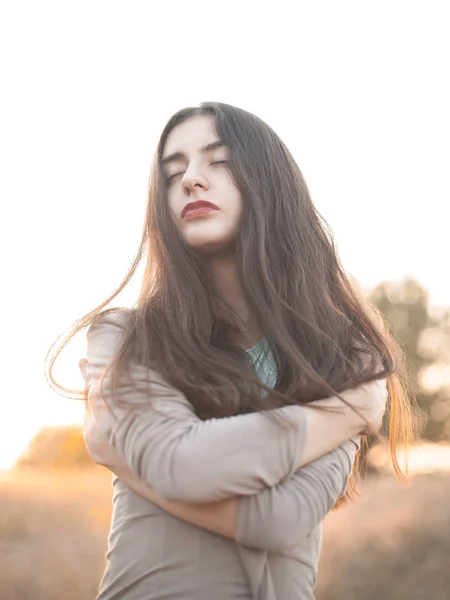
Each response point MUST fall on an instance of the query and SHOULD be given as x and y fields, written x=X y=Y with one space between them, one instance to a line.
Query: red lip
x=198 y=204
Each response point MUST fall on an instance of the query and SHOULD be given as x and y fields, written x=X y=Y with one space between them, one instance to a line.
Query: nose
x=193 y=180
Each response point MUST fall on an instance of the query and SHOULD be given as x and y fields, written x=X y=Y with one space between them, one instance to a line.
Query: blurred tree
x=424 y=334
x=56 y=447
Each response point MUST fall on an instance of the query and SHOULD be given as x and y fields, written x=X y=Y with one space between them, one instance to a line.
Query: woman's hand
x=369 y=402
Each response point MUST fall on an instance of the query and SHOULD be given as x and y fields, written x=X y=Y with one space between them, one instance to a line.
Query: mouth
x=198 y=208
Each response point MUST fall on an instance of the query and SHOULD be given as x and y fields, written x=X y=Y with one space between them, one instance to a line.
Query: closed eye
x=171 y=177
x=216 y=162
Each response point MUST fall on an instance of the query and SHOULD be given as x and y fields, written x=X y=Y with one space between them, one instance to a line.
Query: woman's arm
x=186 y=459
x=279 y=518
x=275 y=519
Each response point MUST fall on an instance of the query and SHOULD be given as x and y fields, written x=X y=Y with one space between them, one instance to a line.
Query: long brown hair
x=325 y=337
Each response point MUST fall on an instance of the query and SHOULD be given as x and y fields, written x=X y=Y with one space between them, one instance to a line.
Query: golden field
x=392 y=544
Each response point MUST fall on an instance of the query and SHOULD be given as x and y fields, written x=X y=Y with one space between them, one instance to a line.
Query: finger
x=83 y=368
x=82 y=365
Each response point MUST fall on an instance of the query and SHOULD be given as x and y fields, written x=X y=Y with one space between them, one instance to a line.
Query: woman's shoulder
x=113 y=317
x=106 y=330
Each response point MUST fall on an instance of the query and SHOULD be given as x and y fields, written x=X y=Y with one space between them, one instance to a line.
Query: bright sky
x=358 y=91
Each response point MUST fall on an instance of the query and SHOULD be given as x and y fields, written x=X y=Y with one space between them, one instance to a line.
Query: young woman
x=229 y=400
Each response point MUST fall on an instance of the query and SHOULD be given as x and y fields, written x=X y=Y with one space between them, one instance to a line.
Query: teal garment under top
x=263 y=363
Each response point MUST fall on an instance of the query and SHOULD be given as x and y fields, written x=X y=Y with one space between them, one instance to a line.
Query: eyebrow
x=181 y=156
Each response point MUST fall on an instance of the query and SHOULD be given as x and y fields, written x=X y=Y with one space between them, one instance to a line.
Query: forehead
x=190 y=136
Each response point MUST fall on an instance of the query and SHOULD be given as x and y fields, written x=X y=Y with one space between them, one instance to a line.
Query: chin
x=211 y=245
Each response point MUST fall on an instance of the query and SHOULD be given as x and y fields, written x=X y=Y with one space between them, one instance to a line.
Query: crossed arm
x=240 y=477
x=275 y=519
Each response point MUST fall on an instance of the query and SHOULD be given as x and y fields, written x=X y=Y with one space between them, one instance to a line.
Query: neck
x=227 y=283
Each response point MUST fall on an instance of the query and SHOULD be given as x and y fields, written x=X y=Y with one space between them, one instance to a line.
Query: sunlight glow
x=422 y=458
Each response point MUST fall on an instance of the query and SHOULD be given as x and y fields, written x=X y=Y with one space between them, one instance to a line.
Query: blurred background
x=358 y=91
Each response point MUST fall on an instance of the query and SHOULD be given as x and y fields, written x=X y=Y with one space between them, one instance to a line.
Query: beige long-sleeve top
x=153 y=555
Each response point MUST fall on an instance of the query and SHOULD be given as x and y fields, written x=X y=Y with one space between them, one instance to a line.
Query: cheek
x=173 y=203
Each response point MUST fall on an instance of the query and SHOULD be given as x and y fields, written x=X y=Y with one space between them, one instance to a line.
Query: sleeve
x=167 y=446
x=279 y=518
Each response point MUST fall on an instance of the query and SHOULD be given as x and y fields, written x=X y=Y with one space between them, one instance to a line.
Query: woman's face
x=195 y=162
